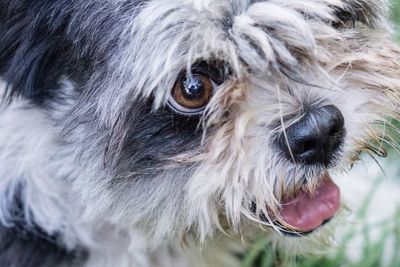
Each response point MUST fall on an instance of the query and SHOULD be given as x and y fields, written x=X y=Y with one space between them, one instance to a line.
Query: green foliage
x=395 y=16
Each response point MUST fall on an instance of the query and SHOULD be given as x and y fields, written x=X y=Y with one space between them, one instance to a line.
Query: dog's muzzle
x=314 y=140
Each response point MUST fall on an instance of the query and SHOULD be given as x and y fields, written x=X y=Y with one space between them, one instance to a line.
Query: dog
x=174 y=133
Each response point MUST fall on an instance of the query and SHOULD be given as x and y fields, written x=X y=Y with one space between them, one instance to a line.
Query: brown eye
x=191 y=94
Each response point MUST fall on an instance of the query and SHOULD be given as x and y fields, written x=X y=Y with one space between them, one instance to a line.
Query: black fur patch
x=23 y=245
x=20 y=248
x=152 y=138
x=43 y=40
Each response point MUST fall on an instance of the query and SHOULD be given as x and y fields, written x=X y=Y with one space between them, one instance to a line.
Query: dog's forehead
x=240 y=32
x=209 y=28
x=249 y=36
x=236 y=7
x=243 y=4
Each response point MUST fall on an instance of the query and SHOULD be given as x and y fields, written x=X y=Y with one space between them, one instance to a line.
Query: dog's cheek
x=369 y=77
x=150 y=168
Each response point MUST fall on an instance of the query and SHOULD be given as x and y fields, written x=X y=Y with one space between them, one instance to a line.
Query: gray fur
x=107 y=166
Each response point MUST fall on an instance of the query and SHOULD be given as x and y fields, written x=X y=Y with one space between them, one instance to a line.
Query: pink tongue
x=307 y=212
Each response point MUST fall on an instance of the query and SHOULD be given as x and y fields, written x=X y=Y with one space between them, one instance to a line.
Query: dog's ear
x=30 y=50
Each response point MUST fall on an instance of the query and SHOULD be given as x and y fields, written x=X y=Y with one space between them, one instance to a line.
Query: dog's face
x=199 y=115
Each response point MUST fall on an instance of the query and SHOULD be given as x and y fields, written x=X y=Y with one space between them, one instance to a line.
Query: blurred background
x=371 y=237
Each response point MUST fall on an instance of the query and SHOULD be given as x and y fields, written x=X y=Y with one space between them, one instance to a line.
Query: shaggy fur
x=97 y=166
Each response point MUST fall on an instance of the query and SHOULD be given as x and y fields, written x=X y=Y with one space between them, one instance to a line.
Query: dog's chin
x=305 y=212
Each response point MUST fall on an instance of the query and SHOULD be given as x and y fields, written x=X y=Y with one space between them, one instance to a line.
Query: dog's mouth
x=305 y=212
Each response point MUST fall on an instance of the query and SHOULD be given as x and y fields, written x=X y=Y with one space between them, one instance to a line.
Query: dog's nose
x=316 y=137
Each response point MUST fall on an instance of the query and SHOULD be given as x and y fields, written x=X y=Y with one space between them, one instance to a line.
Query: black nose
x=316 y=137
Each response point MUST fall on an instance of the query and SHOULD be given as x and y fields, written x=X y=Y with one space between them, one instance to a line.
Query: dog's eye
x=191 y=93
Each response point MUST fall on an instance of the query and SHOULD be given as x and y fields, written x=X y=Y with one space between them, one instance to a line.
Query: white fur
x=66 y=185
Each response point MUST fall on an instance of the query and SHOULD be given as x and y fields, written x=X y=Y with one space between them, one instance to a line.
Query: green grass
x=395 y=16
x=372 y=249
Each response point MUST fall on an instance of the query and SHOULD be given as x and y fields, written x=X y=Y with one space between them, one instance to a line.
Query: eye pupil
x=193 y=87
